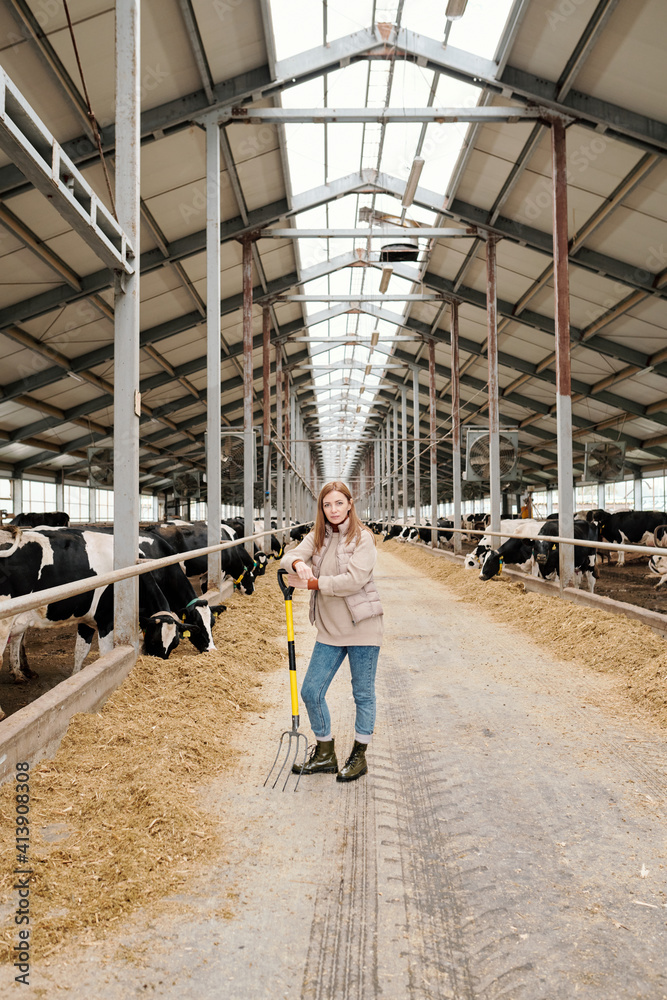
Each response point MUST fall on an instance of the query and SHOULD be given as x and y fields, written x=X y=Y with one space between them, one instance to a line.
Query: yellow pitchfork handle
x=287 y=594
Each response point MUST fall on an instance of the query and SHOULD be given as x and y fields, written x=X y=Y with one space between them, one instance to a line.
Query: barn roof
x=600 y=63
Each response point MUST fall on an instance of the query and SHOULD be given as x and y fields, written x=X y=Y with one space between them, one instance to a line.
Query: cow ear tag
x=186 y=635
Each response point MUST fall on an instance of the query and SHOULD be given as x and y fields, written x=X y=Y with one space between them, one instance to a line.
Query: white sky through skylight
x=318 y=154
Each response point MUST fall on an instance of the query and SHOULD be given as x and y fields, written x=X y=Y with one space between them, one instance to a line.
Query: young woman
x=335 y=561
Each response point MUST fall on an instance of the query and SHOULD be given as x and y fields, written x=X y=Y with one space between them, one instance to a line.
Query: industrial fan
x=478 y=454
x=231 y=455
x=604 y=461
x=100 y=467
x=186 y=485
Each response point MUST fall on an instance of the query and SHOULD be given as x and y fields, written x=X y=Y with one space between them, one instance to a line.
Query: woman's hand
x=303 y=571
x=296 y=581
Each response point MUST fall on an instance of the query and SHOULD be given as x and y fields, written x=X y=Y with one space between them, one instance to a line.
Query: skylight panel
x=480 y=29
x=344 y=149
x=305 y=150
x=285 y=15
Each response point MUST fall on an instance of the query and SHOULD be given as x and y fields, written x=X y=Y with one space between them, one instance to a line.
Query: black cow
x=186 y=537
x=634 y=527
x=194 y=612
x=514 y=552
x=298 y=534
x=261 y=557
x=32 y=560
x=393 y=532
x=51 y=519
x=545 y=552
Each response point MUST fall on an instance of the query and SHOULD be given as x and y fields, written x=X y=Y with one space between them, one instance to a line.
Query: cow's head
x=545 y=551
x=492 y=565
x=245 y=582
x=477 y=556
x=162 y=633
x=261 y=562
x=198 y=617
x=277 y=549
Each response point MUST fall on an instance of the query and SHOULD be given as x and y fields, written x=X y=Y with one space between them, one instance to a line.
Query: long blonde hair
x=356 y=526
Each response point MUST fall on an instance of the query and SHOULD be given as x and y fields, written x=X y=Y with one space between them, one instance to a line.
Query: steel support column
x=433 y=443
x=383 y=473
x=127 y=401
x=492 y=342
x=286 y=444
x=563 y=375
x=266 y=385
x=17 y=497
x=280 y=464
x=388 y=467
x=395 y=475
x=213 y=332
x=404 y=449
x=376 y=480
x=456 y=426
x=248 y=437
x=417 y=469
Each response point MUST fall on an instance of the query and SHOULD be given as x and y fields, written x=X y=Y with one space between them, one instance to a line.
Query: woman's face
x=336 y=507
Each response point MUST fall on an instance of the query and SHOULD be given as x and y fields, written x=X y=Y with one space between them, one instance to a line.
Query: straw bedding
x=116 y=818
x=595 y=638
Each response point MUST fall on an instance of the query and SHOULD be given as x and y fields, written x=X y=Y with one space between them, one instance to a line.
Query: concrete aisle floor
x=508 y=842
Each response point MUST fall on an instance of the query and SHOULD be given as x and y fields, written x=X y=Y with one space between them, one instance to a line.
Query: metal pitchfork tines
x=289 y=741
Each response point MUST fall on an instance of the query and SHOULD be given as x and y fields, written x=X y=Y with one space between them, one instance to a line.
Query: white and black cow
x=546 y=553
x=34 y=560
x=424 y=533
x=516 y=552
x=186 y=537
x=197 y=616
x=657 y=565
x=509 y=528
x=633 y=527
x=33 y=519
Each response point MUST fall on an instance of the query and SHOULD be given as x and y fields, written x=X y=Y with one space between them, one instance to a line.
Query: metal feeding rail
x=28 y=602
x=584 y=542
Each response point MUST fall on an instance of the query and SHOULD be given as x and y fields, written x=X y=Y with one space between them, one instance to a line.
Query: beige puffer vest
x=365 y=604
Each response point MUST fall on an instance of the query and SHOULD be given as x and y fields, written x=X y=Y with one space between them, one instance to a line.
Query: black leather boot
x=322 y=760
x=355 y=765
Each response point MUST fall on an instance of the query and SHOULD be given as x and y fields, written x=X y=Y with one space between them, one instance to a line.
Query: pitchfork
x=293 y=735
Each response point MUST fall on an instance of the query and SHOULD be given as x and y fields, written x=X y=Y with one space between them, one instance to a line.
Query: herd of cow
x=528 y=546
x=40 y=551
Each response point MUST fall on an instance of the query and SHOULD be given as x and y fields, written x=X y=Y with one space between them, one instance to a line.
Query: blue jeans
x=322 y=669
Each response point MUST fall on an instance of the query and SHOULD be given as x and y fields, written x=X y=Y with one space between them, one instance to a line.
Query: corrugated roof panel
x=234 y=44
x=483 y=179
x=549 y=32
x=628 y=59
x=262 y=180
x=632 y=237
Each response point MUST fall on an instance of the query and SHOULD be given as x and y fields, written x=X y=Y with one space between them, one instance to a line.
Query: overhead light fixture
x=374 y=338
x=455 y=9
x=77 y=378
x=368 y=370
x=385 y=279
x=413 y=180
